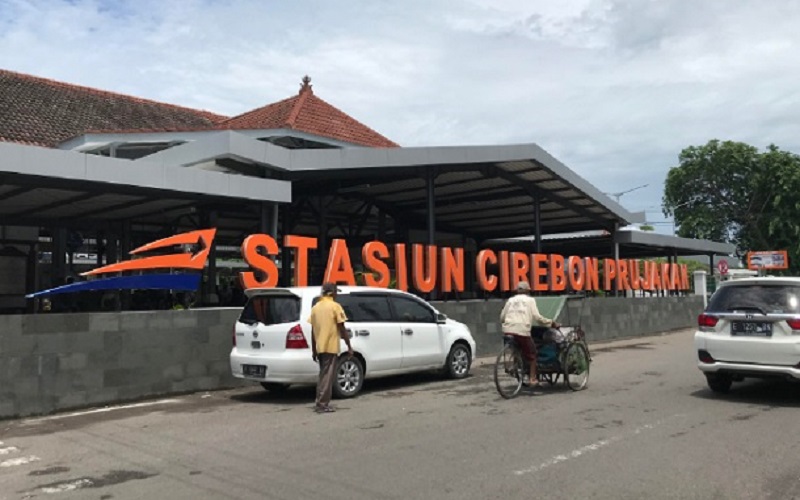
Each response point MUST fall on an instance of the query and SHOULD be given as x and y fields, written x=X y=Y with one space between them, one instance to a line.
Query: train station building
x=88 y=175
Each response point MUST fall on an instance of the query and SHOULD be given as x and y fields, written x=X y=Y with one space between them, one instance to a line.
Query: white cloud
x=613 y=88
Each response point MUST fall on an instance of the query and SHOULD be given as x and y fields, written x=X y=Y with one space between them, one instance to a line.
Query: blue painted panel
x=183 y=282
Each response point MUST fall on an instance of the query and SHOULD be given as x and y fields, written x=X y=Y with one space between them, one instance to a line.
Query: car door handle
x=408 y=331
x=362 y=333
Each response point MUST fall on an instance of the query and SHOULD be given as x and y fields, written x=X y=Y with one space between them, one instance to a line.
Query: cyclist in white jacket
x=518 y=316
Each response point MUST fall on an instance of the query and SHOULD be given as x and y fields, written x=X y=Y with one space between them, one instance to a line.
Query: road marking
x=61 y=488
x=10 y=449
x=35 y=421
x=19 y=461
x=583 y=450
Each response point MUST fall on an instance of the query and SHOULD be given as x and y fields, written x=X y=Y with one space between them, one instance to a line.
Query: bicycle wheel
x=509 y=372
x=576 y=367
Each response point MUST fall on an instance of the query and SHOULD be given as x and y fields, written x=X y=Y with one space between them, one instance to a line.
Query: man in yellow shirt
x=327 y=327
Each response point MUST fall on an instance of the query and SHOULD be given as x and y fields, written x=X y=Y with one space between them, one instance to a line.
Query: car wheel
x=719 y=383
x=275 y=387
x=458 y=361
x=349 y=377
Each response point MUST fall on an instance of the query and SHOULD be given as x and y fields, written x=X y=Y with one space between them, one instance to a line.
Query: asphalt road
x=646 y=427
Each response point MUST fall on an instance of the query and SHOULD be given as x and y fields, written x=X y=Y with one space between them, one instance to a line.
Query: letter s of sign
x=259 y=262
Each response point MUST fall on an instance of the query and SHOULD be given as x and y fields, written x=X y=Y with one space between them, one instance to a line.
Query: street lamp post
x=617 y=195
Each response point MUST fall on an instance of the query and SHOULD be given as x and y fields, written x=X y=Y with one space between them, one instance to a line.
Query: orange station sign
x=443 y=268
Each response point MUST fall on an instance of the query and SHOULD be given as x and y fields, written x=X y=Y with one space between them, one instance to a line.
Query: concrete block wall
x=610 y=318
x=602 y=318
x=52 y=362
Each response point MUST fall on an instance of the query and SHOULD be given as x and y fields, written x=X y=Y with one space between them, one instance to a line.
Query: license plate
x=258 y=371
x=751 y=328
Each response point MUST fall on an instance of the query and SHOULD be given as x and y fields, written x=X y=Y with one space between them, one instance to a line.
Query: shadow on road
x=766 y=393
x=631 y=347
x=398 y=385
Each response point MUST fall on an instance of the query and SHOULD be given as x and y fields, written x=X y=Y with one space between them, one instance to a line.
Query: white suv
x=751 y=328
x=392 y=332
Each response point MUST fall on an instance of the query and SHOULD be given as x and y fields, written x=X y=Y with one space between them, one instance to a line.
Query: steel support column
x=430 y=177
x=431 y=205
x=323 y=242
x=126 y=245
x=112 y=256
x=99 y=246
x=381 y=225
x=286 y=261
x=210 y=296
x=614 y=230
x=58 y=254
x=712 y=277
x=31 y=276
x=264 y=218
x=675 y=261
x=537 y=222
x=273 y=229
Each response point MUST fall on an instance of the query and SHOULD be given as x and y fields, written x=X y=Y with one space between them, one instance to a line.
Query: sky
x=614 y=89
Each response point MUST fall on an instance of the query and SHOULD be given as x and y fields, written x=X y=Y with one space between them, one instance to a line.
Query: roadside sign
x=772 y=259
x=722 y=265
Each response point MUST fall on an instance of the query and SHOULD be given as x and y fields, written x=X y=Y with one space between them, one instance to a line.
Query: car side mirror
x=441 y=318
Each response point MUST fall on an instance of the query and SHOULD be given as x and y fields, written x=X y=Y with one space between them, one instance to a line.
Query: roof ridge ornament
x=306 y=85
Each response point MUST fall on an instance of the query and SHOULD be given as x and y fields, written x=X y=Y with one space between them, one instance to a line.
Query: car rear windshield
x=768 y=299
x=271 y=309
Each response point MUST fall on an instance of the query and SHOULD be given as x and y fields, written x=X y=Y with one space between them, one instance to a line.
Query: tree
x=731 y=192
x=692 y=265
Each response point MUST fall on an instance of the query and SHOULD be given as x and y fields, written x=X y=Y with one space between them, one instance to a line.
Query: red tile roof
x=46 y=112
x=308 y=113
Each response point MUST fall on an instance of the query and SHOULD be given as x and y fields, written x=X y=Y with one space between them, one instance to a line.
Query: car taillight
x=704 y=356
x=706 y=322
x=295 y=338
x=233 y=336
x=794 y=324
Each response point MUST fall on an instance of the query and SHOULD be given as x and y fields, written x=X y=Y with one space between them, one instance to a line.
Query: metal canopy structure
x=45 y=187
x=457 y=196
x=632 y=244
x=645 y=244
x=478 y=191
x=480 y=200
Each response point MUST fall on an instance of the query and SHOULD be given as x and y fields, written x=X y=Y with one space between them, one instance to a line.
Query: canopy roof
x=479 y=191
x=633 y=244
x=213 y=163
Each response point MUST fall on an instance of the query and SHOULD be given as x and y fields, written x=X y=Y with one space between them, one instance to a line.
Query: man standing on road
x=518 y=316
x=327 y=327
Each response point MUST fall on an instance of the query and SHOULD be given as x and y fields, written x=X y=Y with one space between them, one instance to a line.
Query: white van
x=391 y=331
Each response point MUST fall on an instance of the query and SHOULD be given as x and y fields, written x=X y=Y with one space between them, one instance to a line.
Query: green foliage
x=361 y=281
x=729 y=191
x=646 y=227
x=692 y=265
